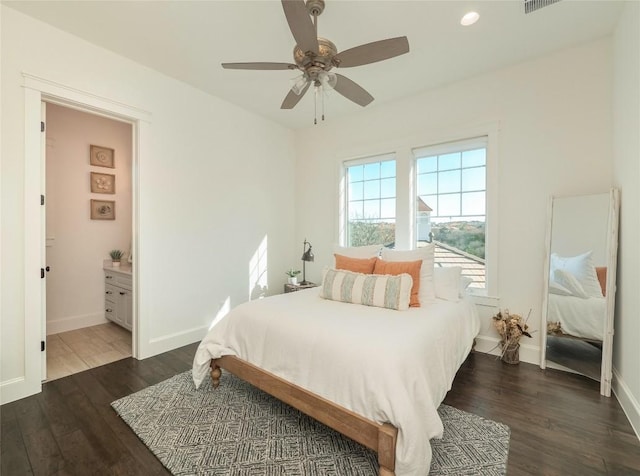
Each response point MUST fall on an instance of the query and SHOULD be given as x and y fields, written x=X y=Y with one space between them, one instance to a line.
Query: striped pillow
x=391 y=292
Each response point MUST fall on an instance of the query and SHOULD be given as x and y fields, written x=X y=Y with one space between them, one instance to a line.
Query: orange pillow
x=356 y=265
x=601 y=272
x=398 y=267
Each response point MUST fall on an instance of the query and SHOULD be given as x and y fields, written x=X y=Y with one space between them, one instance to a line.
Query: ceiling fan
x=315 y=57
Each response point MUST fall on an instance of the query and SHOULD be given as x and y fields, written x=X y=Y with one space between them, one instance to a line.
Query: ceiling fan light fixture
x=328 y=80
x=299 y=84
x=469 y=18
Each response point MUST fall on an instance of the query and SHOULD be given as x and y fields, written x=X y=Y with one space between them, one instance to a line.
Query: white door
x=43 y=240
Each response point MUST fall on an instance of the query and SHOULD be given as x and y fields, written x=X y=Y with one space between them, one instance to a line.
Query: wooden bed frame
x=381 y=438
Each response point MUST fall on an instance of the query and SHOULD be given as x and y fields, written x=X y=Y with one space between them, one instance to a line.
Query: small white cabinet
x=118 y=306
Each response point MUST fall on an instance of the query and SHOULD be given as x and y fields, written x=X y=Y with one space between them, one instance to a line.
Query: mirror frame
x=612 y=261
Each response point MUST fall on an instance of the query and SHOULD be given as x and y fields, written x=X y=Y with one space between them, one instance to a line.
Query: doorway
x=87 y=301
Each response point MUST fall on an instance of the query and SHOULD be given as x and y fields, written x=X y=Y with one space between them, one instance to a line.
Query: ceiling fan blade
x=372 y=52
x=300 y=24
x=292 y=98
x=260 y=66
x=352 y=91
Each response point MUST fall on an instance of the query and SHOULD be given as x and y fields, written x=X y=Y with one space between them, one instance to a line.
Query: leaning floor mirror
x=580 y=285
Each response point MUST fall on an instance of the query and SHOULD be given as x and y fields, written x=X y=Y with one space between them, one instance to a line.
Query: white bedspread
x=388 y=366
x=577 y=316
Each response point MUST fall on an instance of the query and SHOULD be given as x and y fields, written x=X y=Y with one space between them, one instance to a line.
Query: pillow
x=391 y=292
x=360 y=252
x=601 y=273
x=446 y=282
x=465 y=281
x=357 y=265
x=427 y=292
x=570 y=282
x=395 y=268
x=581 y=267
x=559 y=289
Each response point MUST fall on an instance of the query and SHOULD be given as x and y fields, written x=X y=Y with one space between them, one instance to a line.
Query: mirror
x=580 y=272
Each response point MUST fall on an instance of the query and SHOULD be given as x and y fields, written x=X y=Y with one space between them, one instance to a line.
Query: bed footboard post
x=216 y=372
x=387 y=437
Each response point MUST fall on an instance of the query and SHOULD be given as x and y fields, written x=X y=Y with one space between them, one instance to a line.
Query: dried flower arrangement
x=511 y=327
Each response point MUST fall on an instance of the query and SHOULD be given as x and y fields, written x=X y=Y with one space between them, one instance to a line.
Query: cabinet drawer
x=123 y=281
x=110 y=291
x=110 y=310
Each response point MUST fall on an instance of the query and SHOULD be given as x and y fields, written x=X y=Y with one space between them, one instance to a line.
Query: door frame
x=37 y=90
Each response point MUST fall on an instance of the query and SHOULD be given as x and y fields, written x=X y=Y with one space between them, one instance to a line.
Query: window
x=451 y=204
x=371 y=201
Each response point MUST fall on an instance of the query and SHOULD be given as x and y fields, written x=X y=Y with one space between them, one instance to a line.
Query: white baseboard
x=75 y=322
x=628 y=402
x=489 y=345
x=158 y=345
x=17 y=388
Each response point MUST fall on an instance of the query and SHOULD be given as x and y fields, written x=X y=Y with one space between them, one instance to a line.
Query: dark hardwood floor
x=560 y=425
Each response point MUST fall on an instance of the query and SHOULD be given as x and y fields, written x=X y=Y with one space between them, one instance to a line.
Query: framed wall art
x=103 y=183
x=103 y=209
x=102 y=156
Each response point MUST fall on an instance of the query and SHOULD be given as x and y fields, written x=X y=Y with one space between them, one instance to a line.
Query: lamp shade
x=307 y=255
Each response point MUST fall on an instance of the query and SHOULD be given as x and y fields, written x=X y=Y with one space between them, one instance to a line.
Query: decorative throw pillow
x=570 y=282
x=582 y=268
x=601 y=272
x=446 y=281
x=357 y=265
x=395 y=268
x=427 y=291
x=391 y=292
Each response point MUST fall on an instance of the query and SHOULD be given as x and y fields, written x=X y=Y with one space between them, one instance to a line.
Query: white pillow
x=559 y=289
x=427 y=288
x=465 y=281
x=391 y=292
x=582 y=268
x=570 y=282
x=359 y=252
x=446 y=281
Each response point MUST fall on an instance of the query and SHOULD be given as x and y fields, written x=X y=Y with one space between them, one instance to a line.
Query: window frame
x=402 y=150
x=344 y=212
x=449 y=148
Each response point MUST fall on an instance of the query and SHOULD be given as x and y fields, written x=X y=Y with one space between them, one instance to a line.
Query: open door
x=44 y=269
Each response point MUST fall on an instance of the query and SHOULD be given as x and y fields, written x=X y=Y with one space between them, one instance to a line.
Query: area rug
x=238 y=430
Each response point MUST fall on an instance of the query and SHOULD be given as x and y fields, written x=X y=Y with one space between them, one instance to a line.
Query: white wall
x=580 y=224
x=626 y=171
x=555 y=137
x=215 y=182
x=76 y=244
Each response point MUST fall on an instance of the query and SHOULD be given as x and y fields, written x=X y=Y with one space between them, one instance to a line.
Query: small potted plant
x=293 y=273
x=116 y=256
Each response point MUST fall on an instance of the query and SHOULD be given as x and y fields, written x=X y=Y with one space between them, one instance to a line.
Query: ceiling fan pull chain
x=315 y=105
x=322 y=95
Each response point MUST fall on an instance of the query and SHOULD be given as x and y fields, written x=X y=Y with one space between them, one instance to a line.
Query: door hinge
x=42 y=346
x=41 y=199
x=41 y=273
x=41 y=126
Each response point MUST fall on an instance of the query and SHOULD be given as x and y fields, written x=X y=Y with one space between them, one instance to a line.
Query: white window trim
x=402 y=150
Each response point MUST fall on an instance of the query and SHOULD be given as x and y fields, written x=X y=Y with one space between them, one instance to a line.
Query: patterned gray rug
x=238 y=430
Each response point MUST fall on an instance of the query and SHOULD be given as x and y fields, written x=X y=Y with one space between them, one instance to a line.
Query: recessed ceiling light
x=469 y=18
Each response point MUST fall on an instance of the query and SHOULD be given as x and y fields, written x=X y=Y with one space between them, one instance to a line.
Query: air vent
x=533 y=5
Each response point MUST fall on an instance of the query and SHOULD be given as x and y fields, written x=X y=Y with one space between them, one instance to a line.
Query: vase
x=115 y=264
x=511 y=353
x=293 y=280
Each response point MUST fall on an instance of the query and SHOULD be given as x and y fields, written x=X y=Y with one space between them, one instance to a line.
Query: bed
x=577 y=316
x=374 y=374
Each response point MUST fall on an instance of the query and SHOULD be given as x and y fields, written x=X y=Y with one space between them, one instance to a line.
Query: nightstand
x=292 y=288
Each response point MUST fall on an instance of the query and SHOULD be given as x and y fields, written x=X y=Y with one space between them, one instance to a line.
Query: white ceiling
x=189 y=39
